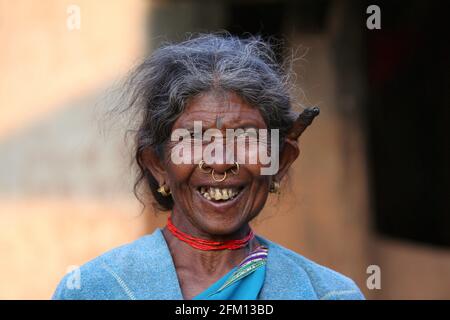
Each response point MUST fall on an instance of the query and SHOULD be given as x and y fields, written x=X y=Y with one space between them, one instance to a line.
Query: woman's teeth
x=211 y=193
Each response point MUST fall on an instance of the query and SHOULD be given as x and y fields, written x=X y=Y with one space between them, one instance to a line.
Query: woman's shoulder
x=118 y=273
x=121 y=272
x=302 y=278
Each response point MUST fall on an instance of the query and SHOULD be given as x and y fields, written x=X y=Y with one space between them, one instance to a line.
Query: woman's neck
x=196 y=269
x=194 y=260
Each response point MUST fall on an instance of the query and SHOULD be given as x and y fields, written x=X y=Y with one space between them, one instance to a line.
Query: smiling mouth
x=219 y=194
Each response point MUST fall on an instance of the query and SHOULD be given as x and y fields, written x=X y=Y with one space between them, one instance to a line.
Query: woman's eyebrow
x=224 y=123
x=245 y=124
x=190 y=128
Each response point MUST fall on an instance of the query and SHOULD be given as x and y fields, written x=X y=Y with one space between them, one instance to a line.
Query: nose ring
x=218 y=180
x=200 y=165
x=234 y=170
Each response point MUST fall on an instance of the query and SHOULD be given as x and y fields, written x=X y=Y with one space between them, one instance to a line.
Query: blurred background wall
x=371 y=184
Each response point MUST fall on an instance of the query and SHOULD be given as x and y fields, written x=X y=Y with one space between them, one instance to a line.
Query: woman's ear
x=151 y=161
x=288 y=155
x=290 y=149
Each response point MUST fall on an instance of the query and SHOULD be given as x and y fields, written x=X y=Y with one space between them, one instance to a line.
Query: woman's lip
x=222 y=206
x=221 y=186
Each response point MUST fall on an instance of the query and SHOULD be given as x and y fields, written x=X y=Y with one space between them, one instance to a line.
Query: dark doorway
x=408 y=120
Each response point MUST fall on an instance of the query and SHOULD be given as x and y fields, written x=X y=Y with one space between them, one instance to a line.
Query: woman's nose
x=222 y=167
x=219 y=168
x=220 y=163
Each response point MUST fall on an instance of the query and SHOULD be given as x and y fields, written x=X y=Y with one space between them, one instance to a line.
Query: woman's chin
x=219 y=230
x=220 y=225
x=220 y=217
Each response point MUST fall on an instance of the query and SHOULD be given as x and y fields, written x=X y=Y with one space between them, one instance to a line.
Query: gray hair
x=161 y=85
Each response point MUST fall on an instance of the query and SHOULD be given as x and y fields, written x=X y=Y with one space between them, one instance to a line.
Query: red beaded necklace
x=208 y=245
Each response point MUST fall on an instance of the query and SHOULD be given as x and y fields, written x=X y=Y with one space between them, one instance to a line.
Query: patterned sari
x=243 y=282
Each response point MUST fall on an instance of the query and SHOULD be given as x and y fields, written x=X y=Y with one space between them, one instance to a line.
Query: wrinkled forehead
x=220 y=110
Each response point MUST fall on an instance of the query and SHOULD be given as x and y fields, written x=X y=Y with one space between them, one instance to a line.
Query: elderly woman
x=194 y=98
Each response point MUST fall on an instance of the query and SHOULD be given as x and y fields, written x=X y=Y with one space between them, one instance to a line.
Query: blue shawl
x=144 y=269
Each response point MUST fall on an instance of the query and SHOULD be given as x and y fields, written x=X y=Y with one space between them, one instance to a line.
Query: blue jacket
x=144 y=269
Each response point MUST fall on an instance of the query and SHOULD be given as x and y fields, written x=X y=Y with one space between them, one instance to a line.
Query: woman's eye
x=193 y=136
x=198 y=138
x=248 y=134
x=251 y=133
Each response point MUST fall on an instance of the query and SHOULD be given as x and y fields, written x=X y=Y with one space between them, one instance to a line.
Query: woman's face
x=202 y=214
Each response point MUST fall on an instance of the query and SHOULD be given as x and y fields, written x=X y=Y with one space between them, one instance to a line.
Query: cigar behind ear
x=303 y=121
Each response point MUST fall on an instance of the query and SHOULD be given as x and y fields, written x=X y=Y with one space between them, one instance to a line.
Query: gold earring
x=274 y=187
x=237 y=168
x=163 y=191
